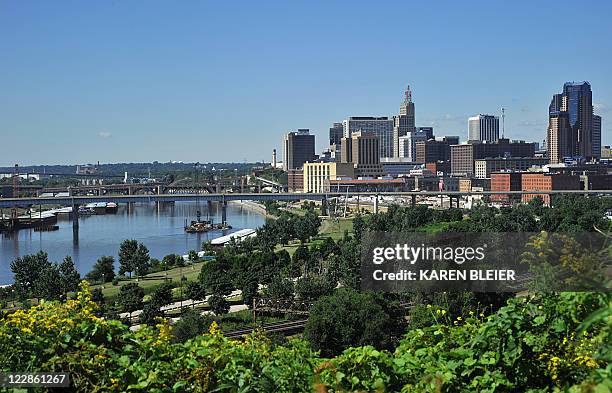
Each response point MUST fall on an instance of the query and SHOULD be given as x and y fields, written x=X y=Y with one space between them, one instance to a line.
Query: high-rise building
x=483 y=128
x=316 y=175
x=336 y=132
x=403 y=124
x=570 y=129
x=596 y=136
x=407 y=143
x=298 y=147
x=434 y=150
x=463 y=156
x=382 y=127
x=361 y=149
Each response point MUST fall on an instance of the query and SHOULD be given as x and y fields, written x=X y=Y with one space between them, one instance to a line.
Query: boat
x=111 y=207
x=85 y=211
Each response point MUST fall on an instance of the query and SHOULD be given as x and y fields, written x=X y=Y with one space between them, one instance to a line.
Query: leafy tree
x=280 y=288
x=103 y=270
x=171 y=260
x=193 y=256
x=218 y=304
x=130 y=297
x=195 y=291
x=69 y=276
x=215 y=276
x=133 y=258
x=190 y=325
x=162 y=295
x=26 y=271
x=312 y=287
x=348 y=318
x=150 y=313
x=48 y=284
x=299 y=261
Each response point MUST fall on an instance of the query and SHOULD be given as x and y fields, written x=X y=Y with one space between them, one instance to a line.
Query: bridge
x=223 y=198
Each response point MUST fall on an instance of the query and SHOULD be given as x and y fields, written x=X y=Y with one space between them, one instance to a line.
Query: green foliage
x=130 y=297
x=218 y=304
x=195 y=291
x=190 y=325
x=552 y=343
x=349 y=318
x=103 y=270
x=36 y=277
x=133 y=258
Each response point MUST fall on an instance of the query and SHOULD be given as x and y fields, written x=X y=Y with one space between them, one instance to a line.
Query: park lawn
x=333 y=228
x=150 y=281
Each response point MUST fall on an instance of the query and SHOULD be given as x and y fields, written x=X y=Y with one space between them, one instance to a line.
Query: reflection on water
x=158 y=226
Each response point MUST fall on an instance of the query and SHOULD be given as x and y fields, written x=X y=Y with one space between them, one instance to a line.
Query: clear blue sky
x=127 y=81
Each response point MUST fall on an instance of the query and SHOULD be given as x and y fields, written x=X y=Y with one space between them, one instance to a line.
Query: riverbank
x=253 y=206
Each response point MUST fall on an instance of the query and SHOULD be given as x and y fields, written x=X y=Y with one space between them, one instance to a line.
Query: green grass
x=150 y=281
x=333 y=228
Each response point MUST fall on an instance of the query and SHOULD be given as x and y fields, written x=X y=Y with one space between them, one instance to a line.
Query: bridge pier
x=412 y=200
x=75 y=218
x=210 y=208
x=224 y=212
x=376 y=204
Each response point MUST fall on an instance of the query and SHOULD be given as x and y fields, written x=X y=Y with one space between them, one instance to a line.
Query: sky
x=214 y=81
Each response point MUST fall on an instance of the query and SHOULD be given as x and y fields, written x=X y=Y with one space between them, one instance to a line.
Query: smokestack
x=273 y=158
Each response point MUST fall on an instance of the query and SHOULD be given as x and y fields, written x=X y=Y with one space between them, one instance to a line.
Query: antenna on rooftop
x=503 y=122
x=408 y=94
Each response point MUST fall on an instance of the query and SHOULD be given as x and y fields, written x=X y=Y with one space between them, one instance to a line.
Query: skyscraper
x=483 y=128
x=298 y=147
x=597 y=136
x=336 y=132
x=403 y=124
x=382 y=127
x=361 y=149
x=576 y=104
x=408 y=142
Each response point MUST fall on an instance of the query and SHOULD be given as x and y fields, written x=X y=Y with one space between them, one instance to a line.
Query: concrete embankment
x=257 y=207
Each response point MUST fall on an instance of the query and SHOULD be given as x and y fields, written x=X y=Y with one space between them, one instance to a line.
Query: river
x=159 y=227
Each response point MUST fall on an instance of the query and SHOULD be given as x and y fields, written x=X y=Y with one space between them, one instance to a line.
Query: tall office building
x=570 y=128
x=361 y=149
x=403 y=124
x=596 y=136
x=483 y=128
x=408 y=142
x=463 y=156
x=336 y=132
x=298 y=147
x=382 y=127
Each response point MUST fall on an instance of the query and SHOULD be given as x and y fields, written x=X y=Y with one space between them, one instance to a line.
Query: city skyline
x=135 y=83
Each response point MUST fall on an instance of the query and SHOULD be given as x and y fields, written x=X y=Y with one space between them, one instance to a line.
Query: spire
x=408 y=94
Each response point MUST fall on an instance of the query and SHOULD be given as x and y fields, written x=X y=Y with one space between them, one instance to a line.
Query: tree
x=133 y=257
x=26 y=271
x=312 y=287
x=215 y=276
x=280 y=288
x=190 y=325
x=69 y=276
x=103 y=270
x=130 y=298
x=171 y=260
x=150 y=312
x=218 y=304
x=299 y=261
x=48 y=284
x=193 y=256
x=195 y=291
x=345 y=319
x=162 y=295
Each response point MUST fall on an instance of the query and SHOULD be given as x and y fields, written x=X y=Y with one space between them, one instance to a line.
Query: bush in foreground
x=537 y=344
